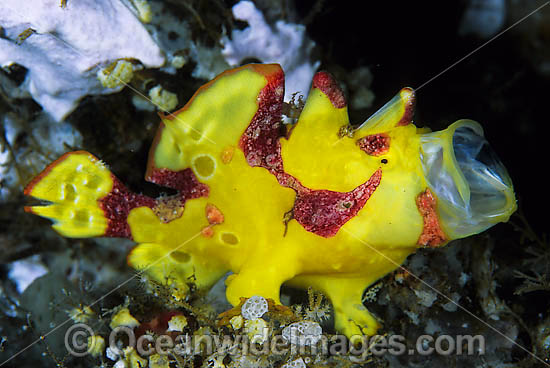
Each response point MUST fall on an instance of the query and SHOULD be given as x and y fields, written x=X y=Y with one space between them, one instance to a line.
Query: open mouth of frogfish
x=473 y=188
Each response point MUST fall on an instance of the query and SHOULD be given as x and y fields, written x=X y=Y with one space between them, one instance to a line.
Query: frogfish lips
x=472 y=185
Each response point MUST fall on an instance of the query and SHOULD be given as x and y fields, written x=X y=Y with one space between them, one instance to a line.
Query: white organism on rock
x=303 y=333
x=24 y=271
x=66 y=46
x=255 y=307
x=284 y=43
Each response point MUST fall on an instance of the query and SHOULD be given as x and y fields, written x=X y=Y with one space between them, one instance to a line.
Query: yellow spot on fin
x=73 y=184
x=213 y=119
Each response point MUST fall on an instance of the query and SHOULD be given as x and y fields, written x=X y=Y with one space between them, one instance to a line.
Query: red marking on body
x=120 y=201
x=117 y=206
x=375 y=144
x=327 y=84
x=260 y=140
x=207 y=232
x=432 y=234
x=407 y=117
x=213 y=214
x=324 y=212
x=184 y=181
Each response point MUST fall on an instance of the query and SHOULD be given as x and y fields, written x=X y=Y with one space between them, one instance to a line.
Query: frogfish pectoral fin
x=86 y=199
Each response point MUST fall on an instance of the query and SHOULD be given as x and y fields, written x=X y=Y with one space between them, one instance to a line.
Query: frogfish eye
x=473 y=188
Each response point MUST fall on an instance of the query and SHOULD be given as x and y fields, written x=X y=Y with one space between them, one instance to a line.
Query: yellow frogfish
x=319 y=203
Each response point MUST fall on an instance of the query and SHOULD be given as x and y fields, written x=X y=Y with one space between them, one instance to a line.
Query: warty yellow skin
x=257 y=241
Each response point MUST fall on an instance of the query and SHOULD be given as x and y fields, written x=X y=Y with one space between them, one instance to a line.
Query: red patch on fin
x=374 y=144
x=432 y=234
x=120 y=201
x=117 y=206
x=260 y=140
x=327 y=84
x=407 y=117
x=183 y=181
